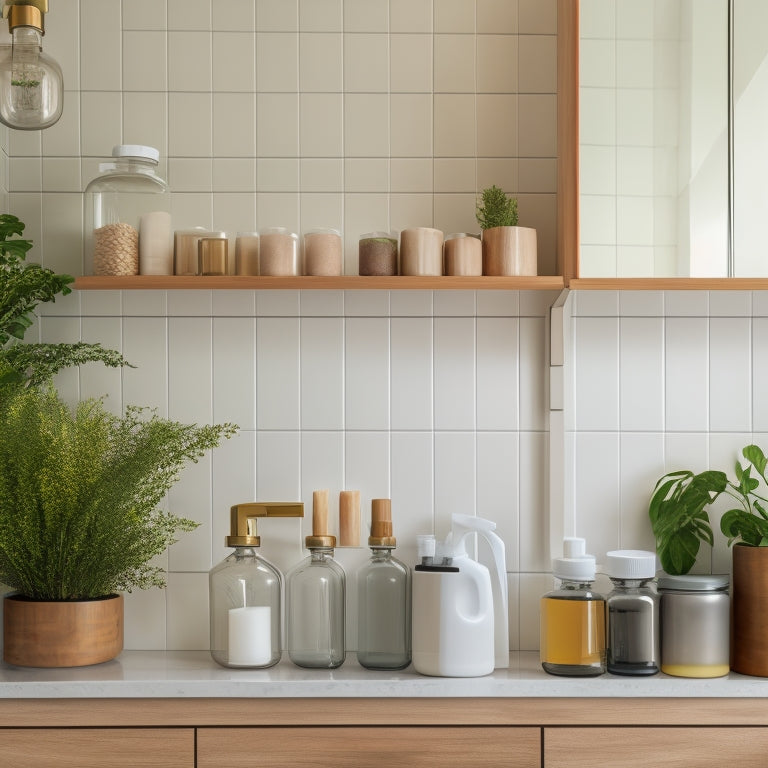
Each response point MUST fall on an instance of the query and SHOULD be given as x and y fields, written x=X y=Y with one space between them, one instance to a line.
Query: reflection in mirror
x=750 y=137
x=653 y=127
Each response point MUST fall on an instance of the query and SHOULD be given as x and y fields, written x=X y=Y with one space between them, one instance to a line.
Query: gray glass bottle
x=384 y=599
x=633 y=613
x=315 y=595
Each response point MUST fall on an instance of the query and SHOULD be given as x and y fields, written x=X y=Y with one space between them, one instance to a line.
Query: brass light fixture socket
x=25 y=16
x=243 y=519
x=320 y=542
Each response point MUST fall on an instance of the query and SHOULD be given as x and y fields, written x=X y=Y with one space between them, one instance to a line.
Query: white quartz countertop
x=193 y=674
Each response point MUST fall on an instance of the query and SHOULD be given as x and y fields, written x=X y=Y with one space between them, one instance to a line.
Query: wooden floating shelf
x=668 y=284
x=343 y=283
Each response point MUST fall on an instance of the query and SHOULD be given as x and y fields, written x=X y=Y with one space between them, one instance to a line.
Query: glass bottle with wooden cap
x=384 y=598
x=245 y=592
x=315 y=595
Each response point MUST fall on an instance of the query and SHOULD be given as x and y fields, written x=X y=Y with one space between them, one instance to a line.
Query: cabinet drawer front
x=97 y=747
x=642 y=747
x=351 y=747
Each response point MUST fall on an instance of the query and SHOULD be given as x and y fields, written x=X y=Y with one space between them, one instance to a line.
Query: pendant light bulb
x=31 y=83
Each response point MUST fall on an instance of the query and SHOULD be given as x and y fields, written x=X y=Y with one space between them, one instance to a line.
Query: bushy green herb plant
x=679 y=517
x=79 y=493
x=24 y=285
x=496 y=209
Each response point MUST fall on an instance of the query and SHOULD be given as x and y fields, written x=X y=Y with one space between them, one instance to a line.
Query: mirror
x=673 y=147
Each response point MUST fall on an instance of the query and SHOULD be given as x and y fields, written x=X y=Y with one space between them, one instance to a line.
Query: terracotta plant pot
x=62 y=634
x=509 y=251
x=749 y=606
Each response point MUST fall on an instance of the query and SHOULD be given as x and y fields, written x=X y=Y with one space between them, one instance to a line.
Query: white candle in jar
x=250 y=635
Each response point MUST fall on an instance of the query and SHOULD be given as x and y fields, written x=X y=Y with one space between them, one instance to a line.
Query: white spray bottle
x=460 y=609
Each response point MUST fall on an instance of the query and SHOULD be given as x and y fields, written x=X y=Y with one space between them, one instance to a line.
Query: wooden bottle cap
x=349 y=519
x=381 y=524
x=320 y=536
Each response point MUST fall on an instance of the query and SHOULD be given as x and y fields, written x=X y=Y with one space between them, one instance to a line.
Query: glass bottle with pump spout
x=315 y=596
x=384 y=598
x=572 y=631
x=245 y=593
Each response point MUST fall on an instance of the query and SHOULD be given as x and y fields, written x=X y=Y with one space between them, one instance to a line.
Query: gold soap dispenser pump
x=245 y=592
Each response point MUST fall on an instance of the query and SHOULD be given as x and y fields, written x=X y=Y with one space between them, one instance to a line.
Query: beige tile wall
x=358 y=114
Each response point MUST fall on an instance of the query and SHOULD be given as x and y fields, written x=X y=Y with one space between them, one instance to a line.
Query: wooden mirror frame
x=568 y=241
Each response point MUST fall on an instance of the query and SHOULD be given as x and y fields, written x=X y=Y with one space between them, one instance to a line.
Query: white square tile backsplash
x=375 y=116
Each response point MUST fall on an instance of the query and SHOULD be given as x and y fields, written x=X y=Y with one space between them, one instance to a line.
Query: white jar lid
x=323 y=231
x=457 y=235
x=630 y=564
x=136 y=150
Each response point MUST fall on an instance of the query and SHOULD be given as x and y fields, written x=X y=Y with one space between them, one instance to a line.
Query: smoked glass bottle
x=633 y=613
x=572 y=630
x=315 y=596
x=245 y=593
x=384 y=598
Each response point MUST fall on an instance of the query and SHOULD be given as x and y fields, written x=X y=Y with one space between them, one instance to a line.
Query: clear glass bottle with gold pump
x=245 y=593
x=383 y=598
x=315 y=596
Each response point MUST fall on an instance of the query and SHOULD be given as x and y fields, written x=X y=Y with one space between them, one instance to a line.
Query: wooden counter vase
x=63 y=633
x=749 y=606
x=509 y=251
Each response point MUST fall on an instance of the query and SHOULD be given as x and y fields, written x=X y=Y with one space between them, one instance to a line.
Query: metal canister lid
x=710 y=582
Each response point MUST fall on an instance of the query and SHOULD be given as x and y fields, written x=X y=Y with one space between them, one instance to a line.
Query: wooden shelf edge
x=344 y=283
x=668 y=284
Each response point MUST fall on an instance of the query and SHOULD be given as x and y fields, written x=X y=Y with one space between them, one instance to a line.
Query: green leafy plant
x=496 y=209
x=679 y=517
x=79 y=493
x=23 y=286
x=679 y=520
x=748 y=521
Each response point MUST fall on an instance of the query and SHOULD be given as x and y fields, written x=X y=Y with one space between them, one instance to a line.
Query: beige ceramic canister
x=421 y=251
x=463 y=254
x=278 y=252
x=322 y=252
x=247 y=253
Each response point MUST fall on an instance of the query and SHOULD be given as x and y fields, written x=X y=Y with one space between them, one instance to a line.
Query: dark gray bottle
x=633 y=613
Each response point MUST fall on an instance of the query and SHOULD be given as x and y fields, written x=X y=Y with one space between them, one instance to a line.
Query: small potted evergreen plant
x=80 y=487
x=680 y=522
x=508 y=249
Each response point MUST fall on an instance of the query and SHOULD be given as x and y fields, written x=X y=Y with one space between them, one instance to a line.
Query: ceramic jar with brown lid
x=463 y=254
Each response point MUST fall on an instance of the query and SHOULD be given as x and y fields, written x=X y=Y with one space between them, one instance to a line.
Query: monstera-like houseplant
x=80 y=488
x=680 y=522
x=508 y=249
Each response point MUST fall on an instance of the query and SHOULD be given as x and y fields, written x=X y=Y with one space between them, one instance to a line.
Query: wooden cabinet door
x=97 y=747
x=644 y=747
x=362 y=747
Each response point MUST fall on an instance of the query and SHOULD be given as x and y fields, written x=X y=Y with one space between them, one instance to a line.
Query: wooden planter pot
x=749 y=605
x=510 y=251
x=61 y=634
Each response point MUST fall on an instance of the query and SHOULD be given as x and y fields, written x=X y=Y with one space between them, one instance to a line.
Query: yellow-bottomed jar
x=695 y=625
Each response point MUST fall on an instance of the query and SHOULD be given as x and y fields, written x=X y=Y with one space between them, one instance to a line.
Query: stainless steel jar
x=695 y=625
